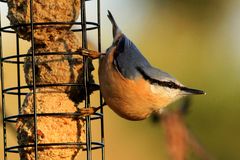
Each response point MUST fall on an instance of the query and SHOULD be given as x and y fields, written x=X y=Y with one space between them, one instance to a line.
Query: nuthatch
x=129 y=84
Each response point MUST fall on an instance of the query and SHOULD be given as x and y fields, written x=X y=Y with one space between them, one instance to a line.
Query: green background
x=197 y=41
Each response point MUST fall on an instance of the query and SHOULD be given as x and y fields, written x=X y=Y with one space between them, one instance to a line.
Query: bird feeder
x=58 y=77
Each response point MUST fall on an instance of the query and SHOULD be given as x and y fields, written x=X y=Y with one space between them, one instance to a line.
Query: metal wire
x=86 y=79
x=22 y=90
x=34 y=82
x=100 y=50
x=3 y=96
x=18 y=74
x=92 y=25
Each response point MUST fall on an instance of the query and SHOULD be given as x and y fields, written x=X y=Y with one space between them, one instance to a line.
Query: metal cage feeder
x=19 y=91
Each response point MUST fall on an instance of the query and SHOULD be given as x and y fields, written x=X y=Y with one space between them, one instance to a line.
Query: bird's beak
x=189 y=91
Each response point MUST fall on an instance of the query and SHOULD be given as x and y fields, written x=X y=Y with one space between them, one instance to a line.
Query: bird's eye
x=171 y=85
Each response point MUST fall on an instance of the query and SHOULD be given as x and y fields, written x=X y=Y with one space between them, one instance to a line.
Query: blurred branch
x=179 y=138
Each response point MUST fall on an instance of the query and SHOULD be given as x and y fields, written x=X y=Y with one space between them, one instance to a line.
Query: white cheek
x=156 y=89
x=164 y=91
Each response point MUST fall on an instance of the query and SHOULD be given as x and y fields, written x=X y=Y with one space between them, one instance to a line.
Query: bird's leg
x=90 y=53
x=89 y=111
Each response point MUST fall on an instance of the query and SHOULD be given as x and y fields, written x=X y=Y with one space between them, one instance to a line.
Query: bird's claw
x=88 y=111
x=90 y=53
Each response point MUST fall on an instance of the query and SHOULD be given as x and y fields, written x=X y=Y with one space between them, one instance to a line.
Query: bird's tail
x=116 y=31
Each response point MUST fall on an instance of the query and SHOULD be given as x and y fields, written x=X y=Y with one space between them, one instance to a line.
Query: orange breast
x=131 y=99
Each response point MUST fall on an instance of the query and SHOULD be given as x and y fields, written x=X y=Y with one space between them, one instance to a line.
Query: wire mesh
x=21 y=90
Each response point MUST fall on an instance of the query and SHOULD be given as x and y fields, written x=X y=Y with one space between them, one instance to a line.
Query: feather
x=156 y=76
x=127 y=58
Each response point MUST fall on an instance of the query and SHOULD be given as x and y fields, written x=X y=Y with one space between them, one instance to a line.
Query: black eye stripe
x=169 y=84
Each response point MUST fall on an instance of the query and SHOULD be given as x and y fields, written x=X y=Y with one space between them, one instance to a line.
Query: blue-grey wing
x=132 y=64
x=127 y=58
x=154 y=73
x=157 y=76
x=160 y=78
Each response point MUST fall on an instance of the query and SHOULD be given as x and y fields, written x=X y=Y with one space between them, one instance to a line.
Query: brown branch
x=179 y=138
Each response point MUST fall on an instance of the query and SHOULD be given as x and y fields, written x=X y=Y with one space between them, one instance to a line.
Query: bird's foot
x=90 y=53
x=89 y=111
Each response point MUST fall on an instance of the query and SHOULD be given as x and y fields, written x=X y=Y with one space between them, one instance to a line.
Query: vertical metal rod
x=101 y=99
x=3 y=95
x=84 y=25
x=86 y=80
x=34 y=82
x=18 y=74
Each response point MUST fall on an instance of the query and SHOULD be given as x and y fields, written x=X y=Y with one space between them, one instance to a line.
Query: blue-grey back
x=128 y=58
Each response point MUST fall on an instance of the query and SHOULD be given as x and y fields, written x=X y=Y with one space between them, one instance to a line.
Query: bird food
x=43 y=11
x=50 y=129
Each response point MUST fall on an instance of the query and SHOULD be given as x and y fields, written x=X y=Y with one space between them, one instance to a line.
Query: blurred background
x=197 y=41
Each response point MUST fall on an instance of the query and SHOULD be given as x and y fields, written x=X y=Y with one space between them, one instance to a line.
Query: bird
x=130 y=85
